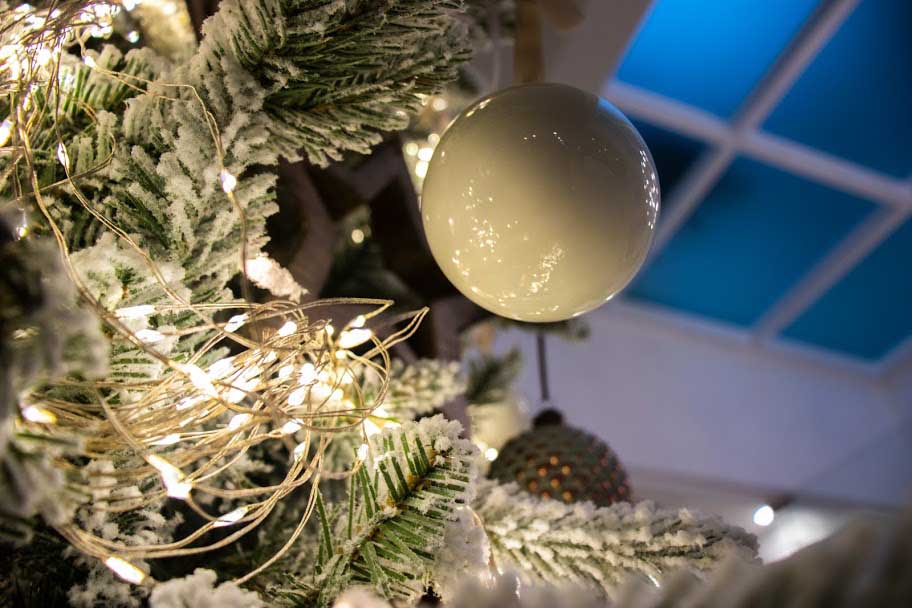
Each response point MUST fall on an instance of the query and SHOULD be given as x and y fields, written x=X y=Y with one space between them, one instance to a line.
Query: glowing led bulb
x=150 y=336
x=62 y=155
x=764 y=515
x=172 y=477
x=287 y=329
x=236 y=322
x=291 y=427
x=6 y=129
x=351 y=338
x=168 y=439
x=491 y=454
x=135 y=312
x=308 y=373
x=198 y=378
x=125 y=570
x=43 y=56
x=229 y=182
x=297 y=396
x=132 y=36
x=238 y=420
x=358 y=321
x=231 y=517
x=425 y=154
x=39 y=415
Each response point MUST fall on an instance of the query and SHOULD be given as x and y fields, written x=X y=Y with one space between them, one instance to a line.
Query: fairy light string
x=295 y=383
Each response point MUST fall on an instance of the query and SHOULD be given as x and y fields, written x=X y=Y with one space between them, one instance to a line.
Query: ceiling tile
x=855 y=99
x=711 y=54
x=869 y=312
x=753 y=237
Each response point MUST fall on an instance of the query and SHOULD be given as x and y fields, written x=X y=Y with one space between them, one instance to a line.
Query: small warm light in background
x=425 y=153
x=764 y=515
x=491 y=454
x=357 y=236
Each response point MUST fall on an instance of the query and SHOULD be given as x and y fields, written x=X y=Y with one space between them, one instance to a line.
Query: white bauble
x=540 y=202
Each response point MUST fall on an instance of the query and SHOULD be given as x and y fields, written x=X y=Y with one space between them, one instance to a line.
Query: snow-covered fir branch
x=413 y=483
x=550 y=542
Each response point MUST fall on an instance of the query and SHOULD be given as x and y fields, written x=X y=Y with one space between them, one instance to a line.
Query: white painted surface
x=680 y=399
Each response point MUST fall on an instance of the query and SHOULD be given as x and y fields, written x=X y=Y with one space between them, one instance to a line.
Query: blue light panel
x=753 y=237
x=855 y=99
x=869 y=312
x=711 y=53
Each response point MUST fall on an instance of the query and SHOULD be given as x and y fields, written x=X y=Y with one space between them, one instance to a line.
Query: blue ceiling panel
x=855 y=99
x=712 y=53
x=753 y=237
x=673 y=154
x=867 y=314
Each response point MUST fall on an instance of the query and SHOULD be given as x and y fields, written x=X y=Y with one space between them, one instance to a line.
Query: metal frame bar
x=742 y=136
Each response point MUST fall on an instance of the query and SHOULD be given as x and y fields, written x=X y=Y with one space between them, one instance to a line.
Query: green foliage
x=399 y=505
x=491 y=377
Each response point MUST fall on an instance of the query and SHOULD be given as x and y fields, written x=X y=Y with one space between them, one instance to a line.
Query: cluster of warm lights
x=294 y=381
x=296 y=384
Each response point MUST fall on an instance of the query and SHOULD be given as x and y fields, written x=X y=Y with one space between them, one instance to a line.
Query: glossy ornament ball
x=557 y=461
x=540 y=202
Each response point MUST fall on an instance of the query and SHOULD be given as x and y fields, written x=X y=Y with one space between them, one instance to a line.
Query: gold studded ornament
x=557 y=461
x=540 y=202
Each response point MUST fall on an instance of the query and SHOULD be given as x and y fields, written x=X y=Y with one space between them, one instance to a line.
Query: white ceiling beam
x=829 y=170
x=834 y=266
x=790 y=156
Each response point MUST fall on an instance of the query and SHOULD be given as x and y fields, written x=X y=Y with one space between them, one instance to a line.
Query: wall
x=672 y=395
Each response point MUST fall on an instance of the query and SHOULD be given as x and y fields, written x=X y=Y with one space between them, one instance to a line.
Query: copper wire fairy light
x=296 y=386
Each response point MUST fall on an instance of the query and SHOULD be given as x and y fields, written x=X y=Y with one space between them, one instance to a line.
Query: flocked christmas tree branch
x=156 y=181
x=400 y=503
x=599 y=547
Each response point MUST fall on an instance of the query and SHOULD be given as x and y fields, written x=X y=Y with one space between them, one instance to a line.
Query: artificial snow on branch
x=411 y=485
x=550 y=542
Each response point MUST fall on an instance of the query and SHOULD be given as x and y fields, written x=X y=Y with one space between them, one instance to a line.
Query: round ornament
x=540 y=202
x=556 y=461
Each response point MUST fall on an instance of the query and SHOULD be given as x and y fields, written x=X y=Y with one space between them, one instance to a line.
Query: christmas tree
x=182 y=423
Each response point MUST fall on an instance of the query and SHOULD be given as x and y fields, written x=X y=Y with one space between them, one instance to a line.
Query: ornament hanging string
x=528 y=53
